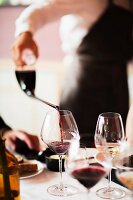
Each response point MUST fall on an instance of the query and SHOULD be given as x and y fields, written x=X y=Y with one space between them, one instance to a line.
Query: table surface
x=35 y=188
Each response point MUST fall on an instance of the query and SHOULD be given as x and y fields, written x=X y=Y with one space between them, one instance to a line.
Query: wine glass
x=82 y=166
x=59 y=127
x=109 y=134
x=124 y=167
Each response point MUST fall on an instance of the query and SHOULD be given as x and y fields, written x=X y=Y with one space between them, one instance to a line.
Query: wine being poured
x=58 y=128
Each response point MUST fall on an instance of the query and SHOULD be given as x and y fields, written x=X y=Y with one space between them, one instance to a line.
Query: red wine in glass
x=58 y=129
x=82 y=166
x=59 y=147
x=27 y=82
x=89 y=176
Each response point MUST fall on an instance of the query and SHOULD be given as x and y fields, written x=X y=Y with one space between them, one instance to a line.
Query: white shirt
x=76 y=17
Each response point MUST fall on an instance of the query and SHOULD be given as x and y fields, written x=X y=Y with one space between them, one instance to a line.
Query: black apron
x=103 y=55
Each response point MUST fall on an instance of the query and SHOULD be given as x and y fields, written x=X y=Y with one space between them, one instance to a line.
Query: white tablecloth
x=35 y=188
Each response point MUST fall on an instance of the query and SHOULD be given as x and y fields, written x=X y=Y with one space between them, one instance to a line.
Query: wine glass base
x=110 y=193
x=67 y=190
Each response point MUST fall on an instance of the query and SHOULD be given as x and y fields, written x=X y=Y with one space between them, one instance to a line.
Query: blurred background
x=17 y=109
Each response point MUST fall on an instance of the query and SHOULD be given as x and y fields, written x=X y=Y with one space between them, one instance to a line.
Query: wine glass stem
x=60 y=170
x=109 y=180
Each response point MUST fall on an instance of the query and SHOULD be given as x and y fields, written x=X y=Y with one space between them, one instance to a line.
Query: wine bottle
x=9 y=174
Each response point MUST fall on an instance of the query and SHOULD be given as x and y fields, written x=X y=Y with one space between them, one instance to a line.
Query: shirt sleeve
x=45 y=11
x=38 y=14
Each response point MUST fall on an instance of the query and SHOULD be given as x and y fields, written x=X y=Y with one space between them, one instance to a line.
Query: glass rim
x=62 y=112
x=110 y=115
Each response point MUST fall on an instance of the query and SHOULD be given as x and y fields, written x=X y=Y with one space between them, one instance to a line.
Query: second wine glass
x=59 y=127
x=82 y=166
x=109 y=135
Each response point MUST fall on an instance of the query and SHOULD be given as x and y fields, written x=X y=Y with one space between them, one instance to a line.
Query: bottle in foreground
x=9 y=174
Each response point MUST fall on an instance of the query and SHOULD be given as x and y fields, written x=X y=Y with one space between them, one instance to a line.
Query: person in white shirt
x=97 y=41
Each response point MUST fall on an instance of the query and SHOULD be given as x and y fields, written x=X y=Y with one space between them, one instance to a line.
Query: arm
x=11 y=135
x=39 y=14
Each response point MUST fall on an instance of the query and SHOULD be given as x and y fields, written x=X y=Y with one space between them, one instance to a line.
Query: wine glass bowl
x=109 y=133
x=65 y=128
x=58 y=129
x=81 y=165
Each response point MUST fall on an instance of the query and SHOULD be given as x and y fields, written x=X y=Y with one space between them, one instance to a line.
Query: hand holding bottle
x=24 y=50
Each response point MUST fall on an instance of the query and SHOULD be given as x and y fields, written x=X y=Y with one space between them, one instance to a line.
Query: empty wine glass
x=59 y=127
x=82 y=166
x=108 y=136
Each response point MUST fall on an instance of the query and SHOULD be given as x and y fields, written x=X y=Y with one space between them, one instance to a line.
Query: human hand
x=23 y=42
x=11 y=137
